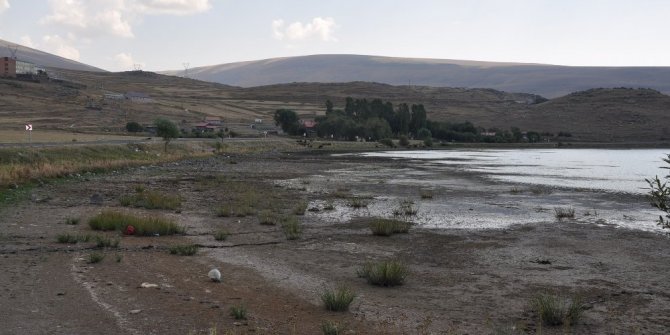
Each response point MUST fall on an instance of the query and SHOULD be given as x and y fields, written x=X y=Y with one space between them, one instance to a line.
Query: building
x=213 y=120
x=7 y=67
x=138 y=97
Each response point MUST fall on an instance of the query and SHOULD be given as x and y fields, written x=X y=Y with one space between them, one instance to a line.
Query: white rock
x=214 y=275
x=148 y=285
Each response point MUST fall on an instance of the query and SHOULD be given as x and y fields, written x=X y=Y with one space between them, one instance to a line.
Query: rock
x=135 y=311
x=215 y=275
x=148 y=285
x=96 y=199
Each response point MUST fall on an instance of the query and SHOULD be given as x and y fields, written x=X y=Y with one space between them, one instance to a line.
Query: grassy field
x=51 y=136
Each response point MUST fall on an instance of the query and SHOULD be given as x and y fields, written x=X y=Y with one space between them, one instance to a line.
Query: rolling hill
x=547 y=80
x=42 y=58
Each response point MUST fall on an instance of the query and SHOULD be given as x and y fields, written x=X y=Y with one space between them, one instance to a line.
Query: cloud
x=60 y=46
x=320 y=28
x=172 y=7
x=124 y=61
x=93 y=18
x=28 y=42
x=4 y=5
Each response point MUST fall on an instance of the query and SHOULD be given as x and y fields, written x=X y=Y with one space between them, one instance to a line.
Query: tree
x=134 y=127
x=329 y=106
x=167 y=130
x=287 y=120
x=660 y=196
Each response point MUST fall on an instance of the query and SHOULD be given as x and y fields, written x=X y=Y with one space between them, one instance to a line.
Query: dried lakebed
x=479 y=252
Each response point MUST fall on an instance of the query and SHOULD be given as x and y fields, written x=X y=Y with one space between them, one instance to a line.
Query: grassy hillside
x=593 y=115
x=546 y=80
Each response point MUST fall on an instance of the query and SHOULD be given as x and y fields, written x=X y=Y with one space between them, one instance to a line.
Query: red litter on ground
x=130 y=230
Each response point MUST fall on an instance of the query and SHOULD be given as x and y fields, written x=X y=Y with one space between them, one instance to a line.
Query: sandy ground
x=465 y=279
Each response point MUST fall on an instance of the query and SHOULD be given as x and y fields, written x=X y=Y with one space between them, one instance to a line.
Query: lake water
x=598 y=169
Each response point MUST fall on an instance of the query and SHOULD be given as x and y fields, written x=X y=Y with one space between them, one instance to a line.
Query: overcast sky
x=164 y=34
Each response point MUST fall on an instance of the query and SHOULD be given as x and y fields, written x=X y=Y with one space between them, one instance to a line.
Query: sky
x=120 y=35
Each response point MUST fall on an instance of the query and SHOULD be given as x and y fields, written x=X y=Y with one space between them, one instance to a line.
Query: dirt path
x=462 y=281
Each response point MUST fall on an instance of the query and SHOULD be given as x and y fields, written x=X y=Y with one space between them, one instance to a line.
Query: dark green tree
x=287 y=120
x=134 y=127
x=403 y=118
x=418 y=120
x=167 y=130
x=329 y=107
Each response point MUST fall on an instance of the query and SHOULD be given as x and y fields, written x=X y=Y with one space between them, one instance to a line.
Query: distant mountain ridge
x=43 y=59
x=547 y=80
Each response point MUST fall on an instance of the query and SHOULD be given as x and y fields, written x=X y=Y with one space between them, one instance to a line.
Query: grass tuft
x=184 y=249
x=238 y=312
x=556 y=310
x=564 y=212
x=357 y=202
x=72 y=239
x=300 y=208
x=339 y=299
x=95 y=257
x=221 y=235
x=106 y=242
x=291 y=227
x=331 y=328
x=388 y=227
x=385 y=273
x=426 y=194
x=268 y=218
x=149 y=225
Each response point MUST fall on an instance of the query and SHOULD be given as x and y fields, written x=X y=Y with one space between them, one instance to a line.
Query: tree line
x=376 y=119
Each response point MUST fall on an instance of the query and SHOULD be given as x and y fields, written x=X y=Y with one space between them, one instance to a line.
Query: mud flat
x=478 y=253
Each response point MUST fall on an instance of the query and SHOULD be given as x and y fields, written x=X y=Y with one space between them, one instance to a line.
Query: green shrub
x=184 y=249
x=387 y=142
x=149 y=225
x=385 y=273
x=151 y=200
x=555 y=310
x=292 y=228
x=331 y=328
x=388 y=227
x=338 y=299
x=95 y=257
x=564 y=212
x=238 y=312
x=403 y=141
x=221 y=235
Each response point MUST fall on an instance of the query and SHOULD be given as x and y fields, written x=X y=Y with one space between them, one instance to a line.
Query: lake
x=596 y=169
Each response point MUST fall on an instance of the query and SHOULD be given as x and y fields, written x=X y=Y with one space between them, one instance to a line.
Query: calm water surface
x=598 y=169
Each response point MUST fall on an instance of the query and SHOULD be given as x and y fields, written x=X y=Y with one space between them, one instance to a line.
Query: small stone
x=148 y=285
x=135 y=311
x=60 y=293
x=96 y=199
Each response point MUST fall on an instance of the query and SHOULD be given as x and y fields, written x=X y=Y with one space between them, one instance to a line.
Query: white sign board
x=29 y=127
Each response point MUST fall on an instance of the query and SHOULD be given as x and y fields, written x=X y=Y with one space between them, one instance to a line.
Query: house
x=213 y=120
x=7 y=67
x=138 y=97
x=204 y=127
x=114 y=96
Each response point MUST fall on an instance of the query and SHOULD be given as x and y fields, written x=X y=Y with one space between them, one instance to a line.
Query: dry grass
x=388 y=227
x=151 y=200
x=144 y=225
